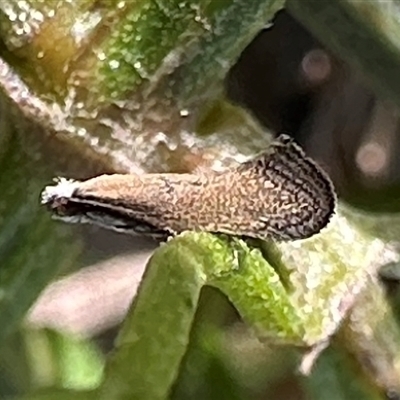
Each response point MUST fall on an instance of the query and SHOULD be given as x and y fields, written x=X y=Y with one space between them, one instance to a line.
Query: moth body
x=281 y=194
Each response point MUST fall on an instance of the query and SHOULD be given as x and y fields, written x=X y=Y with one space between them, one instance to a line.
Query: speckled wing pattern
x=296 y=199
x=281 y=194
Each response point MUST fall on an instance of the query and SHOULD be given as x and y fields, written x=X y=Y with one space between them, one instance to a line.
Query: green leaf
x=33 y=249
x=58 y=394
x=60 y=360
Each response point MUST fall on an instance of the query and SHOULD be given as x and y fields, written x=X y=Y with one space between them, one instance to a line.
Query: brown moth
x=280 y=194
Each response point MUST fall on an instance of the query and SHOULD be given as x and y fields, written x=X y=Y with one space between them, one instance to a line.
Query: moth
x=281 y=194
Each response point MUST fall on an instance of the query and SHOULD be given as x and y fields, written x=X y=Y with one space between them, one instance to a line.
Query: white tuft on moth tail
x=64 y=188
